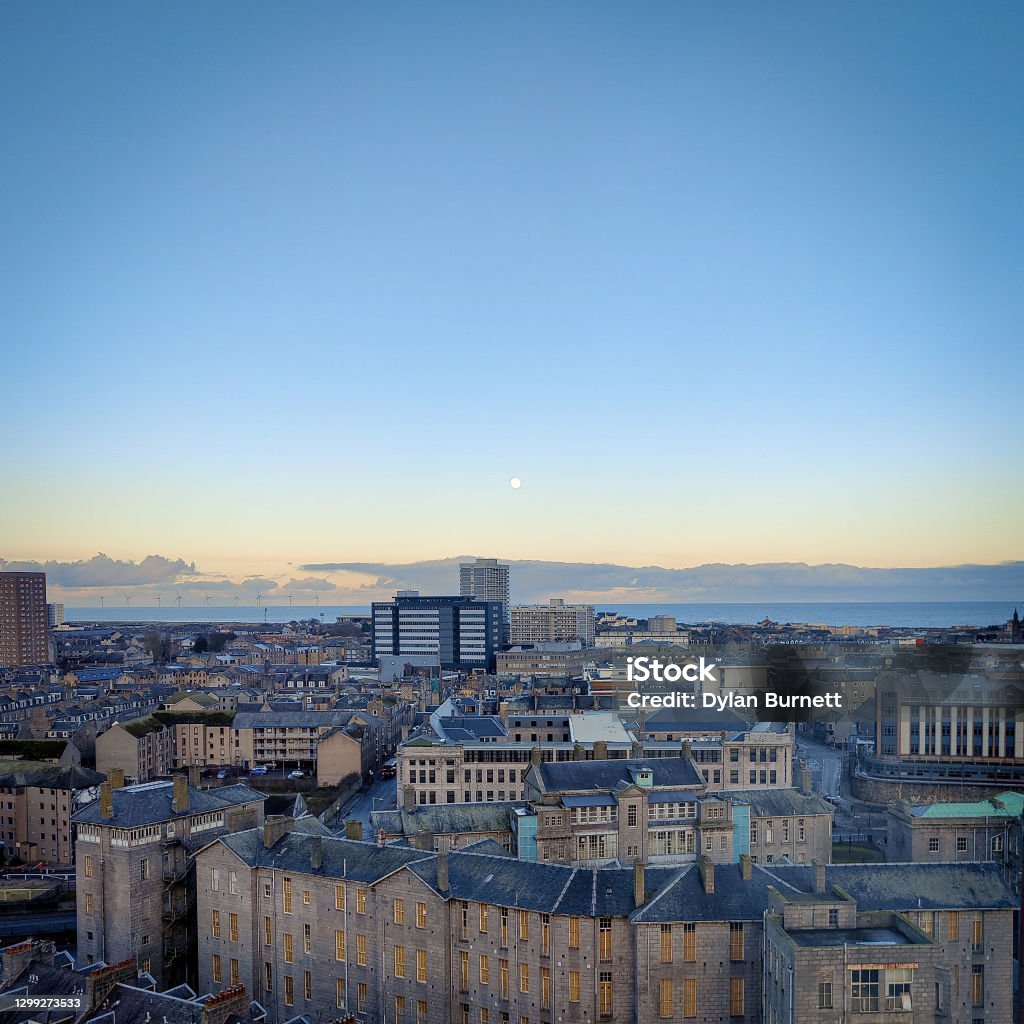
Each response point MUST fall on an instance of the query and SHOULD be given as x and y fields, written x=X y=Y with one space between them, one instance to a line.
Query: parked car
x=297 y=774
x=222 y=774
x=258 y=769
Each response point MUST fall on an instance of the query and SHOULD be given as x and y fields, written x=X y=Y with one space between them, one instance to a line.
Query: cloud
x=103 y=571
x=533 y=581
x=309 y=583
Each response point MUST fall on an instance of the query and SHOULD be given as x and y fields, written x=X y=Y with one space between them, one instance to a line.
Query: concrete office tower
x=462 y=633
x=23 y=638
x=554 y=622
x=54 y=615
x=486 y=579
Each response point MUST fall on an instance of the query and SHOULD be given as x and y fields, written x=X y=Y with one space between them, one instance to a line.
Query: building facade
x=23 y=619
x=554 y=622
x=462 y=632
x=486 y=579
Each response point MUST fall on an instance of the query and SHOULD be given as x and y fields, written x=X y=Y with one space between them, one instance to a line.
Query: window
x=339 y=944
x=665 y=998
x=735 y=940
x=233 y=883
x=933 y=845
x=736 y=998
x=144 y=868
x=833 y=917
x=666 y=943
x=524 y=925
x=545 y=935
x=421 y=915
x=268 y=931
x=360 y=901
x=421 y=965
x=289 y=949
x=824 y=995
x=605 y=937
x=574 y=986
x=464 y=970
x=307 y=938
x=897 y=988
x=214 y=920
x=339 y=897
x=503 y=979
x=234 y=972
x=307 y=984
x=604 y=993
x=399 y=961
x=631 y=816
x=88 y=865
x=287 y=895
x=421 y=1011
x=961 y=844
x=361 y=950
x=545 y=988
x=690 y=942
x=217 y=972
x=362 y=996
x=215 y=879
x=339 y=993
x=485 y=969
x=233 y=927
x=977 y=933
x=978 y=985
x=524 y=977
x=399 y=911
x=268 y=977
x=864 y=991
x=954 y=926
x=504 y=927
x=689 y=997
x=574 y=933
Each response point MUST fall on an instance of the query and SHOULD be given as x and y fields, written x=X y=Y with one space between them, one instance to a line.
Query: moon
x=515 y=483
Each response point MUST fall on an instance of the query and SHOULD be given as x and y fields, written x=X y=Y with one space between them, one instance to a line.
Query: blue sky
x=311 y=282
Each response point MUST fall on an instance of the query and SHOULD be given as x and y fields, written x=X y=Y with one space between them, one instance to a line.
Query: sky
x=291 y=285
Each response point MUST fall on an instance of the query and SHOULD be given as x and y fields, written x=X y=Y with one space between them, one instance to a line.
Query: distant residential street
x=380 y=796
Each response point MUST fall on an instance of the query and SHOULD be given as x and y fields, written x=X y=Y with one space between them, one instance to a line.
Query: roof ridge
x=568 y=882
x=676 y=878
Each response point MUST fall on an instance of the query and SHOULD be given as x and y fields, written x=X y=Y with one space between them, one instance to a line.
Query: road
x=381 y=796
x=830 y=761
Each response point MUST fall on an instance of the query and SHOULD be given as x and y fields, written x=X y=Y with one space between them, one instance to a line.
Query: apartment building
x=553 y=622
x=142 y=748
x=37 y=801
x=410 y=936
x=133 y=869
x=23 y=635
x=561 y=660
x=487 y=579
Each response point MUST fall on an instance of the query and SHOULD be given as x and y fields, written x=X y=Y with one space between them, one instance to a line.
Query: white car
x=297 y=774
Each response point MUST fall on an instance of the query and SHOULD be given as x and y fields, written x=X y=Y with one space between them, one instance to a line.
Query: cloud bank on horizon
x=359 y=583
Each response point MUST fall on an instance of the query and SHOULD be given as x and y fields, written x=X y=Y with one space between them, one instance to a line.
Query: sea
x=905 y=614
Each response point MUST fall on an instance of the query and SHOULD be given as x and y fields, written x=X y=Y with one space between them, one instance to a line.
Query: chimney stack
x=707 y=874
x=193 y=776
x=639 y=888
x=106 y=801
x=354 y=830
x=806 y=780
x=442 y=871
x=316 y=853
x=535 y=756
x=180 y=802
x=819 y=877
x=600 y=750
x=746 y=867
x=687 y=751
x=116 y=778
x=276 y=826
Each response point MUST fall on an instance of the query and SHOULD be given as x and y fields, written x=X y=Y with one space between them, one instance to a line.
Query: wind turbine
x=236 y=600
x=259 y=599
x=101 y=600
x=127 y=601
x=178 y=599
x=207 y=600
x=158 y=600
x=289 y=600
x=316 y=598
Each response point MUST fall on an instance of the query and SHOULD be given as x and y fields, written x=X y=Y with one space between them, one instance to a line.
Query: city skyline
x=716 y=285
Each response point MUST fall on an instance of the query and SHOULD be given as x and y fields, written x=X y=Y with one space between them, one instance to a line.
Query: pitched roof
x=44 y=775
x=150 y=802
x=563 y=776
x=767 y=803
x=444 y=818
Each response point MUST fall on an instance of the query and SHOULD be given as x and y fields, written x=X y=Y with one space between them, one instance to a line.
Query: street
x=380 y=796
x=824 y=759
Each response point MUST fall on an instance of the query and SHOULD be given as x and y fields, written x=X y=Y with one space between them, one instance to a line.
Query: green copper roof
x=1005 y=805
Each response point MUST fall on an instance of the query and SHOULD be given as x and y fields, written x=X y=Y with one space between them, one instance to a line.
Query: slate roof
x=472 y=727
x=150 y=802
x=768 y=803
x=942 y=886
x=684 y=899
x=47 y=776
x=569 y=776
x=1010 y=805
x=444 y=818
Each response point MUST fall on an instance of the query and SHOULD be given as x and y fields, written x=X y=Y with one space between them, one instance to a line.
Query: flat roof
x=850 y=937
x=591 y=726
